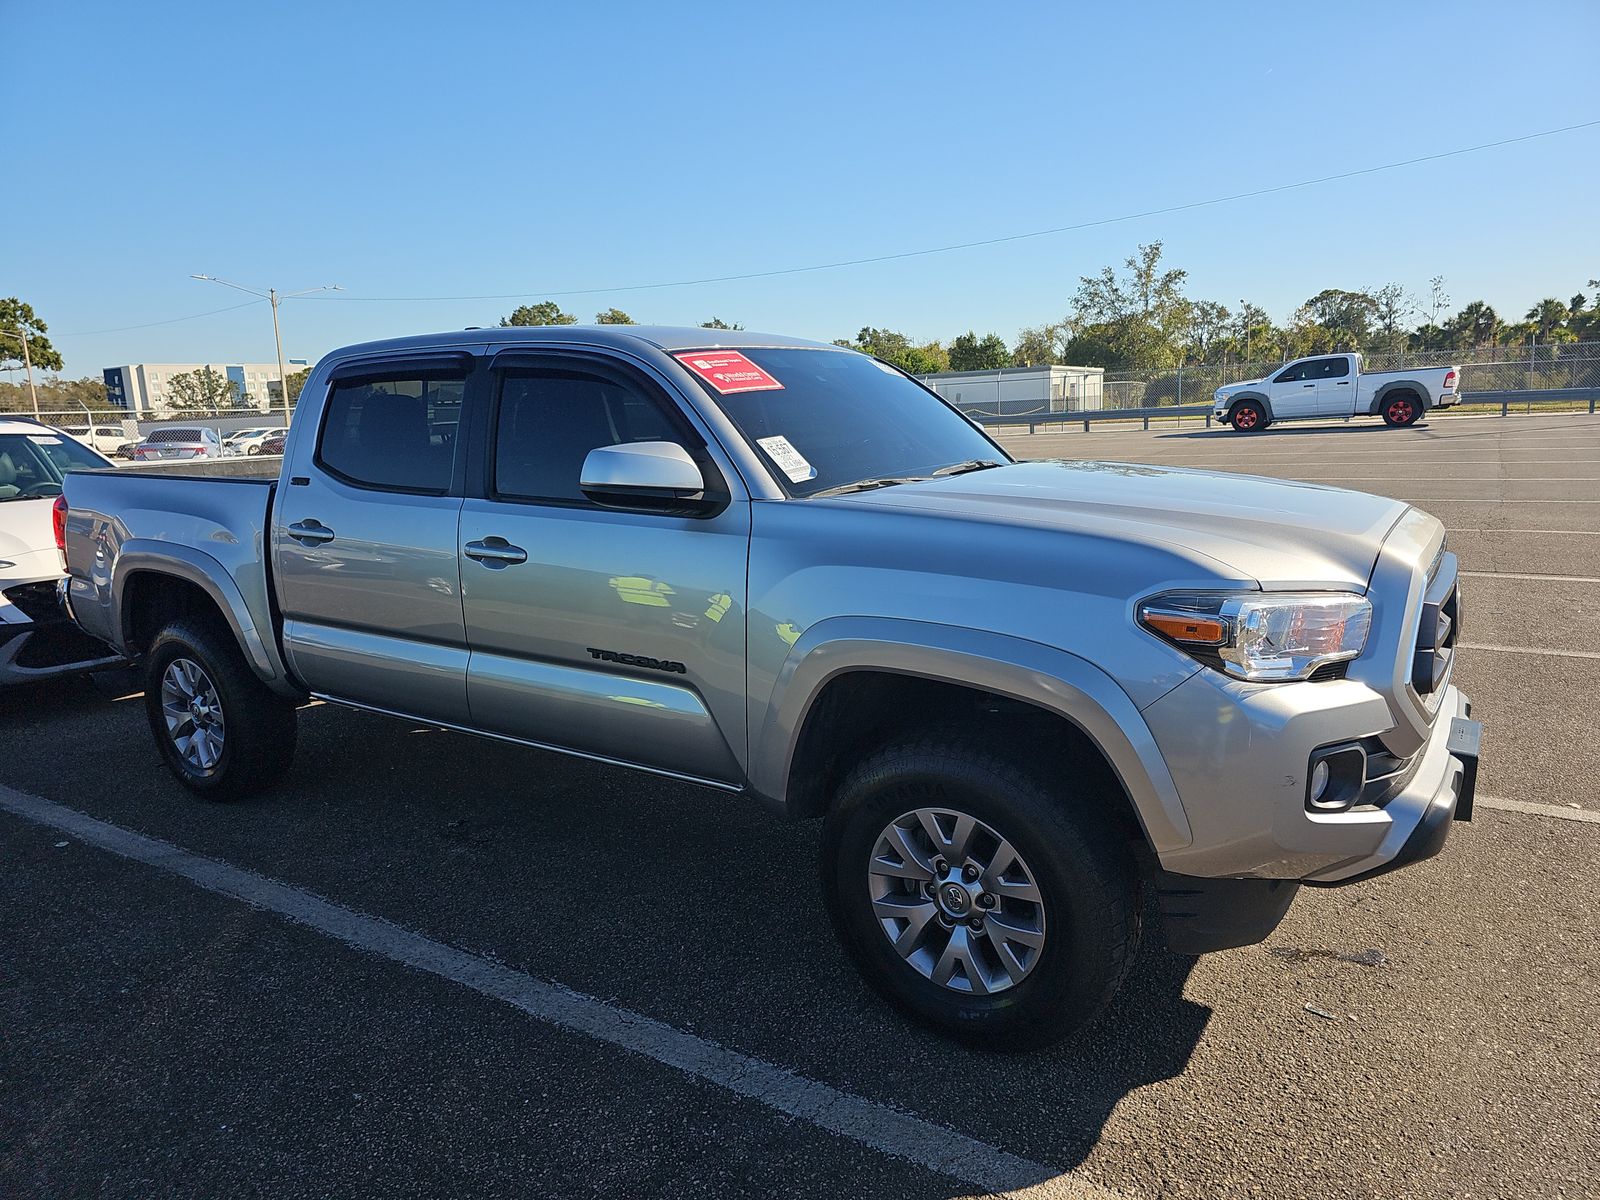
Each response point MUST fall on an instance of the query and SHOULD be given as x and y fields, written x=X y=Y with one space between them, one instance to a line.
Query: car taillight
x=1449 y=381
x=58 y=525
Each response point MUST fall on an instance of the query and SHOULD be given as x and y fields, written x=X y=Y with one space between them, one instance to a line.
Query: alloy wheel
x=956 y=901
x=193 y=714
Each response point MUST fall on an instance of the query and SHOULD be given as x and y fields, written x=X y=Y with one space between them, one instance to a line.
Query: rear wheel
x=982 y=898
x=1401 y=409
x=222 y=732
x=1248 y=417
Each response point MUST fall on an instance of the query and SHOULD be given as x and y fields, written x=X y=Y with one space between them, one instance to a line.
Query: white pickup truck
x=1334 y=385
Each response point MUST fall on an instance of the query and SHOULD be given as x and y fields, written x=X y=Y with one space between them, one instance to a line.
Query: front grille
x=1327 y=671
x=36 y=601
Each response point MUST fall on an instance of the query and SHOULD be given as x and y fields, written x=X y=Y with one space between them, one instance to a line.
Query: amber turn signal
x=1193 y=629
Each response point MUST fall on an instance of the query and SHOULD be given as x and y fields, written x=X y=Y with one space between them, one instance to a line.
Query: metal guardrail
x=1589 y=396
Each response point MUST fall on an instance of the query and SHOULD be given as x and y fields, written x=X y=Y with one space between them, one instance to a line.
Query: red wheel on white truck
x=1401 y=410
x=1248 y=417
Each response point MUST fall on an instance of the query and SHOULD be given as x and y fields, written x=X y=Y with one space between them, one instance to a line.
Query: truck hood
x=1229 y=389
x=1281 y=534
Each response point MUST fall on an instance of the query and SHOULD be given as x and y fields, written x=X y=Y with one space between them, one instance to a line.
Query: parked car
x=1017 y=693
x=178 y=442
x=102 y=438
x=37 y=641
x=125 y=450
x=250 y=441
x=273 y=444
x=1334 y=385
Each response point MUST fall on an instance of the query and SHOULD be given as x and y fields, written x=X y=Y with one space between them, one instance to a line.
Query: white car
x=178 y=442
x=37 y=639
x=1334 y=385
x=249 y=441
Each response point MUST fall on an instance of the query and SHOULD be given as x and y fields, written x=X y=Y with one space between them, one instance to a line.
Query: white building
x=1017 y=390
x=140 y=388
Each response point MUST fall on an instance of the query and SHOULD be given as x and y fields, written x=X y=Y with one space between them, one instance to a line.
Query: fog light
x=1335 y=776
x=1319 y=781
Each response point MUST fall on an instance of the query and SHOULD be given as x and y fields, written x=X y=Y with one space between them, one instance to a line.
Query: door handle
x=1308 y=385
x=1342 y=383
x=310 y=531
x=495 y=552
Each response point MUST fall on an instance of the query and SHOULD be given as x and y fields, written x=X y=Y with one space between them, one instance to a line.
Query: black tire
x=1078 y=856
x=1254 y=417
x=259 y=724
x=1401 y=409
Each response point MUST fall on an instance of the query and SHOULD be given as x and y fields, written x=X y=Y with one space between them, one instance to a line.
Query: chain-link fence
x=1488 y=369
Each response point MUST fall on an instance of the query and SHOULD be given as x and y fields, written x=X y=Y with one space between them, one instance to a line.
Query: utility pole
x=27 y=362
x=273 y=297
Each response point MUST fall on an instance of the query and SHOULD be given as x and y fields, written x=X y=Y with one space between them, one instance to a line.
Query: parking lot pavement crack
x=887 y=1130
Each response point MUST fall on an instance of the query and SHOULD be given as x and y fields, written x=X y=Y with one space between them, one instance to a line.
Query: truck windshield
x=828 y=419
x=32 y=464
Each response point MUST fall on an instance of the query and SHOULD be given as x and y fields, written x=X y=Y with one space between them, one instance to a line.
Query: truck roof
x=659 y=337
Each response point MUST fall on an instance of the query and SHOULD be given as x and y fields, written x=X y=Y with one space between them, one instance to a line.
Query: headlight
x=1262 y=636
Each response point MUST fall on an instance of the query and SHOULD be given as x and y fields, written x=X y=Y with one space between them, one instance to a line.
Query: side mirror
x=642 y=475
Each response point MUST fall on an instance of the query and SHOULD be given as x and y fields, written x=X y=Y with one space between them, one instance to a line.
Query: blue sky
x=471 y=149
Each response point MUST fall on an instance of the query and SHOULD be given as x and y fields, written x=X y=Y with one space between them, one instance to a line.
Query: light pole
x=273 y=296
x=27 y=361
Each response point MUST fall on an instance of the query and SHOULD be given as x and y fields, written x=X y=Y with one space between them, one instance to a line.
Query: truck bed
x=211 y=529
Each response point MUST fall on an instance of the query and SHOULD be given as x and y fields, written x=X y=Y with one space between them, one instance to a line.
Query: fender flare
x=1054 y=680
x=142 y=556
x=1394 y=385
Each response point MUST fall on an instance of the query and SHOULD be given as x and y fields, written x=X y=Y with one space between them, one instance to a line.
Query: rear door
x=607 y=631
x=364 y=540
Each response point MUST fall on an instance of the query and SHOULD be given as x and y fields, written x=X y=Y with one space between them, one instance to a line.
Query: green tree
x=1131 y=321
x=1549 y=317
x=898 y=349
x=205 y=390
x=18 y=320
x=1335 y=320
x=546 y=312
x=718 y=323
x=1040 y=345
x=1393 y=306
x=613 y=316
x=1209 y=322
x=296 y=384
x=1475 y=325
x=969 y=352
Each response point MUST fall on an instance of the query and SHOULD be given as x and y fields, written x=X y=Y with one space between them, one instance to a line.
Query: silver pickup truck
x=1022 y=696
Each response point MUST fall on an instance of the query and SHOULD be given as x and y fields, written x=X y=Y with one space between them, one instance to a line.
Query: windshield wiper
x=972 y=464
x=865 y=485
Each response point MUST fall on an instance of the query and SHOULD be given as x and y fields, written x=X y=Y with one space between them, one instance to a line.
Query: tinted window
x=1331 y=368
x=1293 y=374
x=549 y=421
x=32 y=464
x=174 y=434
x=848 y=418
x=398 y=434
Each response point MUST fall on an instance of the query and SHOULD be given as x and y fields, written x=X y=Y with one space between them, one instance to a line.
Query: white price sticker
x=43 y=440
x=790 y=461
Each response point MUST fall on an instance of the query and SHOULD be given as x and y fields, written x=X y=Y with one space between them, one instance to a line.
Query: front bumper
x=38 y=638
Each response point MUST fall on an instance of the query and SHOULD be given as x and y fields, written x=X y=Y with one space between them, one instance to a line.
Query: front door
x=1292 y=392
x=609 y=632
x=364 y=544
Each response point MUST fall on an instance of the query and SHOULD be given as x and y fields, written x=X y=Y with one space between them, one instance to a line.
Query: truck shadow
x=1297 y=429
x=694 y=908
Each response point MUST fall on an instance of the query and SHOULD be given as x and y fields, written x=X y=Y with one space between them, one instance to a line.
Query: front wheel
x=1249 y=417
x=990 y=901
x=222 y=732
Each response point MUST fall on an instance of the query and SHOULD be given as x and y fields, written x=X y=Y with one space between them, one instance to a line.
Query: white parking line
x=1532 y=578
x=1585 y=815
x=1561 y=532
x=1530 y=650
x=897 y=1134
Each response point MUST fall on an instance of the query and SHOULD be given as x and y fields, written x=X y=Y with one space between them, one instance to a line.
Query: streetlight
x=272 y=295
x=27 y=361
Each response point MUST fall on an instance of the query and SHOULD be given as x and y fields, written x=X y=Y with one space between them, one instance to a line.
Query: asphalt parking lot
x=345 y=986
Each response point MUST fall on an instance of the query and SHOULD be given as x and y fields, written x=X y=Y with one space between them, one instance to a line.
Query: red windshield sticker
x=728 y=371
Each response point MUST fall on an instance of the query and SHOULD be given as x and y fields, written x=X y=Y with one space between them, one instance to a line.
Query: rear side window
x=393 y=434
x=1331 y=368
x=549 y=421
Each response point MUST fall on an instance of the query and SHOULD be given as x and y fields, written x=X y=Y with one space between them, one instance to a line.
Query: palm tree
x=1548 y=315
